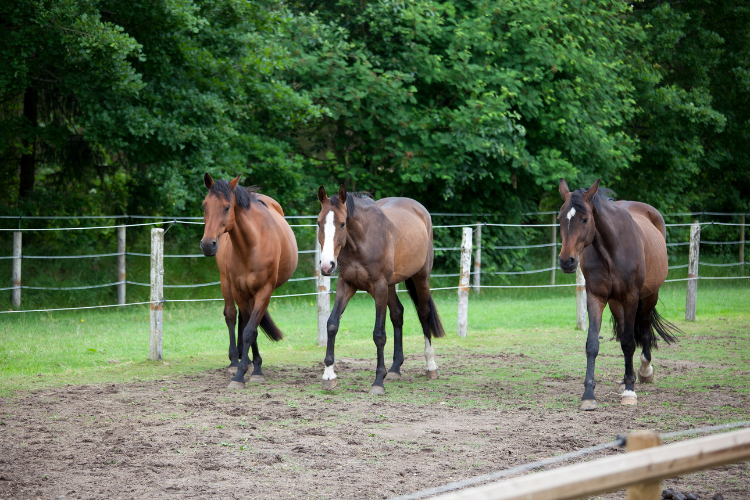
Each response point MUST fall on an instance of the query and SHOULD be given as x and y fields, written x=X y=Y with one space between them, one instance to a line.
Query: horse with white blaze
x=376 y=245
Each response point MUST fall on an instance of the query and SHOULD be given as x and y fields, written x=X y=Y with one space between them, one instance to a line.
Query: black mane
x=576 y=198
x=350 y=197
x=242 y=196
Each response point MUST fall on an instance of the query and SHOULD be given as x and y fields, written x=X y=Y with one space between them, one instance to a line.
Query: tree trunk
x=28 y=161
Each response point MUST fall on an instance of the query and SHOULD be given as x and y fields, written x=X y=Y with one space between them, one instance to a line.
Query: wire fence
x=198 y=220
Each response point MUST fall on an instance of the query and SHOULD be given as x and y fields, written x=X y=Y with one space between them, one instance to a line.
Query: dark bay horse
x=621 y=246
x=375 y=245
x=256 y=252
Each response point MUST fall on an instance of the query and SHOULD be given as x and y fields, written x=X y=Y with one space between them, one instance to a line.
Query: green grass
x=99 y=346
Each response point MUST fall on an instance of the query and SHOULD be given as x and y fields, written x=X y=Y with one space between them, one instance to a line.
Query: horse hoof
x=629 y=401
x=588 y=404
x=392 y=376
x=377 y=390
x=432 y=374
x=232 y=370
x=257 y=379
x=646 y=380
x=329 y=385
x=236 y=385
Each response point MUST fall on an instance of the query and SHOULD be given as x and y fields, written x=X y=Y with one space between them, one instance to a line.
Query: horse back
x=653 y=232
x=412 y=235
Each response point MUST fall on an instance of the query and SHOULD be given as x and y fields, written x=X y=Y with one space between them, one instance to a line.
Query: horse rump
x=436 y=327
x=655 y=324
x=270 y=328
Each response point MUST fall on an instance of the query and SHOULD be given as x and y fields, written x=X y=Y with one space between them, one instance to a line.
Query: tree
x=123 y=105
x=692 y=76
x=468 y=106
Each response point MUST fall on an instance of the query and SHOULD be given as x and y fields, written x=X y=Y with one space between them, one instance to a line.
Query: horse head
x=332 y=228
x=218 y=212
x=577 y=228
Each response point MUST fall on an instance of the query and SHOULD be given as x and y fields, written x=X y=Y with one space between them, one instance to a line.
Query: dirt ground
x=191 y=437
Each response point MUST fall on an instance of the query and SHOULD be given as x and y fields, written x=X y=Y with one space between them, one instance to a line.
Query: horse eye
x=342 y=224
x=226 y=209
x=585 y=220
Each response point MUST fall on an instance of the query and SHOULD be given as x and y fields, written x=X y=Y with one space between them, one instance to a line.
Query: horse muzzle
x=209 y=247
x=327 y=269
x=568 y=265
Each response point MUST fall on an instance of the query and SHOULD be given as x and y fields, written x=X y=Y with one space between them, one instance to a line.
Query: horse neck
x=243 y=233
x=360 y=228
x=609 y=234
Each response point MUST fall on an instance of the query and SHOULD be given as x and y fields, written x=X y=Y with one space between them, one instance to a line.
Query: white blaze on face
x=570 y=215
x=328 y=373
x=329 y=230
x=429 y=355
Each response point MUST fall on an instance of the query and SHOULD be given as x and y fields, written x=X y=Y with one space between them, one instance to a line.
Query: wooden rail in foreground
x=617 y=472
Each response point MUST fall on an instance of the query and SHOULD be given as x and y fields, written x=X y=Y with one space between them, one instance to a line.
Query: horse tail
x=435 y=325
x=664 y=328
x=649 y=328
x=270 y=328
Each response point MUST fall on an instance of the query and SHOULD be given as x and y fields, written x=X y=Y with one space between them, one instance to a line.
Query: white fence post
x=16 y=270
x=580 y=298
x=322 y=286
x=121 y=274
x=477 y=259
x=553 y=252
x=692 y=284
x=742 y=244
x=157 y=293
x=463 y=285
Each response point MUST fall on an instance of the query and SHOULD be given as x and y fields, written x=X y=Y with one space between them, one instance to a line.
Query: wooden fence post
x=322 y=286
x=157 y=293
x=650 y=490
x=692 y=284
x=742 y=244
x=477 y=282
x=463 y=284
x=553 y=251
x=121 y=274
x=16 y=269
x=581 y=308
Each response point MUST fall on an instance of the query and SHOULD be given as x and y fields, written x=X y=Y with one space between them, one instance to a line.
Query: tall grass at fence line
x=183 y=239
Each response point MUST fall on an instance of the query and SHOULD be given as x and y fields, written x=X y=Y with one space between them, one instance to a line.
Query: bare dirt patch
x=191 y=437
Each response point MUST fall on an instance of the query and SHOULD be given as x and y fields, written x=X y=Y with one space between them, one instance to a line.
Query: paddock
x=103 y=420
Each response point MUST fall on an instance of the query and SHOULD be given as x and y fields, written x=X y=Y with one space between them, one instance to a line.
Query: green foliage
x=138 y=99
x=467 y=106
x=694 y=96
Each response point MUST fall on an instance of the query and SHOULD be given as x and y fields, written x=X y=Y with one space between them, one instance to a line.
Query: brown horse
x=375 y=245
x=256 y=253
x=621 y=246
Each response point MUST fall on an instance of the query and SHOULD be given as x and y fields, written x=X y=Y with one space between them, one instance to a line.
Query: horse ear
x=233 y=182
x=564 y=191
x=322 y=195
x=591 y=191
x=208 y=181
x=342 y=194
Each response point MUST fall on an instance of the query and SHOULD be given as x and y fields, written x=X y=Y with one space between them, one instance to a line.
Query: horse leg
x=379 y=292
x=250 y=338
x=626 y=330
x=230 y=316
x=646 y=371
x=396 y=311
x=422 y=288
x=344 y=292
x=595 y=306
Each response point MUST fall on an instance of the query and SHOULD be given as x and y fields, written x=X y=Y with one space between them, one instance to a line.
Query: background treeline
x=118 y=107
